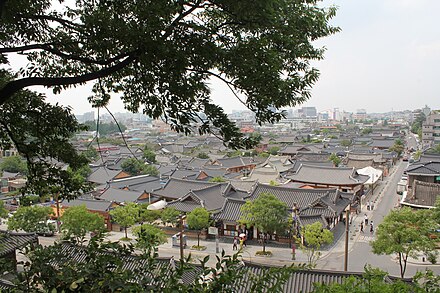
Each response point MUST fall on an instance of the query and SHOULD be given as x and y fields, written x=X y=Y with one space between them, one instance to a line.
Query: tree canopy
x=315 y=236
x=148 y=237
x=404 y=232
x=27 y=122
x=78 y=221
x=198 y=219
x=160 y=55
x=137 y=167
x=125 y=216
x=267 y=213
x=31 y=219
x=13 y=164
x=104 y=127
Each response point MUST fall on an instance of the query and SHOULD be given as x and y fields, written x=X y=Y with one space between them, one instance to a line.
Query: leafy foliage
x=217 y=179
x=78 y=221
x=148 y=237
x=315 y=236
x=335 y=159
x=267 y=213
x=373 y=280
x=105 y=128
x=3 y=210
x=136 y=167
x=149 y=155
x=160 y=55
x=31 y=219
x=146 y=215
x=416 y=126
x=13 y=164
x=170 y=215
x=406 y=233
x=125 y=216
x=202 y=155
x=397 y=147
x=27 y=122
x=198 y=219
x=112 y=267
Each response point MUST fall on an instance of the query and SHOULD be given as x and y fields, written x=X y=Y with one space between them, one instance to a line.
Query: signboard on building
x=213 y=230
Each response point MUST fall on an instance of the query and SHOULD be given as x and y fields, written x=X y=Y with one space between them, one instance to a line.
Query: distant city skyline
x=385 y=58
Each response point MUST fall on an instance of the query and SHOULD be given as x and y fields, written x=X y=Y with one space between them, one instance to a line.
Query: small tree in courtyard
x=267 y=213
x=31 y=219
x=315 y=236
x=125 y=216
x=148 y=237
x=78 y=221
x=170 y=215
x=198 y=219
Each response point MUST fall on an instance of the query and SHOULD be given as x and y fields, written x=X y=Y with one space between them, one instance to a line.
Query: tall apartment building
x=431 y=129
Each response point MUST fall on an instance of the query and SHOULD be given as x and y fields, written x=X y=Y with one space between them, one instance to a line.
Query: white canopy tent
x=158 y=205
x=375 y=174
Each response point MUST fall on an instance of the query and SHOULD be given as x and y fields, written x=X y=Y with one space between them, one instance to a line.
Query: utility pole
x=347 y=212
x=58 y=212
x=181 y=238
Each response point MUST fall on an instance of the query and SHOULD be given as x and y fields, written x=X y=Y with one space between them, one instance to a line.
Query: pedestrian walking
x=172 y=263
x=234 y=244
x=372 y=206
x=362 y=227
x=244 y=241
x=371 y=227
x=368 y=205
x=241 y=243
x=366 y=220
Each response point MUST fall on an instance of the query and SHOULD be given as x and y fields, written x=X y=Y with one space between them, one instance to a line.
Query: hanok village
x=302 y=175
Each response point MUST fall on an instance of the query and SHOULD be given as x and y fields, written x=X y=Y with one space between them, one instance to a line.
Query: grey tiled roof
x=294 y=149
x=92 y=205
x=230 y=211
x=299 y=281
x=247 y=186
x=120 y=195
x=102 y=175
x=309 y=156
x=382 y=143
x=327 y=175
x=298 y=163
x=177 y=188
x=264 y=174
x=10 y=241
x=137 y=183
x=235 y=162
x=185 y=174
x=290 y=196
x=428 y=169
x=425 y=158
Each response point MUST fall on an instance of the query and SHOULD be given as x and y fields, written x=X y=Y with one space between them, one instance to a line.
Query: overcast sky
x=387 y=57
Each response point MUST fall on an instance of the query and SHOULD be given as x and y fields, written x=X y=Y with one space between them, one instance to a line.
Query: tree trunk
x=400 y=264
x=198 y=239
x=125 y=228
x=264 y=242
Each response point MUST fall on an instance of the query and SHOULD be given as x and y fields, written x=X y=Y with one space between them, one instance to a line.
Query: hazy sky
x=386 y=57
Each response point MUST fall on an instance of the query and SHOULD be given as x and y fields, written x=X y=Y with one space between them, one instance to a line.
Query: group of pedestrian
x=370 y=205
x=238 y=240
x=366 y=225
